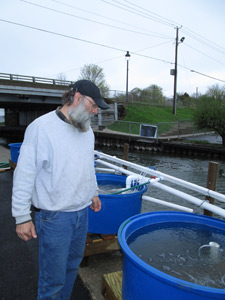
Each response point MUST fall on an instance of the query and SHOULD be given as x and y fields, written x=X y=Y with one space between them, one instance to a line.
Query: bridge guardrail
x=33 y=79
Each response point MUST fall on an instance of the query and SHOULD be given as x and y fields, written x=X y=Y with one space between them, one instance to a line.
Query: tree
x=136 y=91
x=210 y=112
x=62 y=78
x=216 y=92
x=153 y=93
x=95 y=74
x=185 y=99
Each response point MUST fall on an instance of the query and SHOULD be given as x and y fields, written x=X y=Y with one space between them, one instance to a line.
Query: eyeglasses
x=93 y=104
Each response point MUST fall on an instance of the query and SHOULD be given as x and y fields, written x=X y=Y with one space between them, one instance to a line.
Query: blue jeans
x=62 y=237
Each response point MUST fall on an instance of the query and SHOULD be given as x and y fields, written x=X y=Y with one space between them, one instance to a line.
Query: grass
x=150 y=115
x=155 y=115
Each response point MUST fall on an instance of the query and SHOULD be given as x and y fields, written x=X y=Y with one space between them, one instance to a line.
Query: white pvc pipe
x=127 y=172
x=201 y=203
x=105 y=170
x=133 y=175
x=168 y=204
x=192 y=186
x=117 y=168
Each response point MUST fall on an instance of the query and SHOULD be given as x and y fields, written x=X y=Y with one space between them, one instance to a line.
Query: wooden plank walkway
x=112 y=286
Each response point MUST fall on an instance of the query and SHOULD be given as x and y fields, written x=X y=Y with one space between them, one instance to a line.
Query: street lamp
x=127 y=57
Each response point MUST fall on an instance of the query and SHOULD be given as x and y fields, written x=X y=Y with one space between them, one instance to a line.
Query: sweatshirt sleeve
x=97 y=188
x=24 y=178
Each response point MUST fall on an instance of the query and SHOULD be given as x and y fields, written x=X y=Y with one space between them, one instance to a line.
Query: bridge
x=24 y=98
x=21 y=90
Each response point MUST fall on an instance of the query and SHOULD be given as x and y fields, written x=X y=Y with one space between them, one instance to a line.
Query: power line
x=207 y=76
x=61 y=34
x=204 y=54
x=152 y=46
x=198 y=37
x=147 y=56
x=89 y=20
x=165 y=21
x=78 y=39
x=187 y=31
x=138 y=12
x=204 y=41
x=108 y=18
x=109 y=59
x=102 y=45
x=105 y=60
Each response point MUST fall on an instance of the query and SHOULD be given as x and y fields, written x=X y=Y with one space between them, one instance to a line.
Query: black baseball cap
x=88 y=88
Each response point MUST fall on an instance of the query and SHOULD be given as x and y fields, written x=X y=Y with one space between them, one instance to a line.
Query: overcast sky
x=62 y=36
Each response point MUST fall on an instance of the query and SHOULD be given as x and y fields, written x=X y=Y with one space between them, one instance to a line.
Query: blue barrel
x=142 y=281
x=115 y=208
x=15 y=151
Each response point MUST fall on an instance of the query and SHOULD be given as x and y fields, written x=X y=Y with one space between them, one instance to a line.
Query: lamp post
x=127 y=57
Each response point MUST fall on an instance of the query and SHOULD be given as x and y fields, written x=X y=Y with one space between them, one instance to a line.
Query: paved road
x=18 y=259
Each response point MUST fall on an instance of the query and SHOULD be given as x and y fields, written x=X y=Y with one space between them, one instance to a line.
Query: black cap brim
x=101 y=103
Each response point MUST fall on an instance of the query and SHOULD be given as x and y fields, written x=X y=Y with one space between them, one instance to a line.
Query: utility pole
x=175 y=76
x=175 y=71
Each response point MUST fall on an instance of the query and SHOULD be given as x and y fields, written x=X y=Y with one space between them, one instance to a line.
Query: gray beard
x=80 y=118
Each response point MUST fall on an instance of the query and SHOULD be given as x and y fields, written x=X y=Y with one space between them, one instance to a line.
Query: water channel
x=192 y=169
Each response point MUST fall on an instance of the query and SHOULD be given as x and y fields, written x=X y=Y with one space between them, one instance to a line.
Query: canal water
x=192 y=169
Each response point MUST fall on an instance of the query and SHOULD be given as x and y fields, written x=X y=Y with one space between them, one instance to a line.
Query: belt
x=36 y=209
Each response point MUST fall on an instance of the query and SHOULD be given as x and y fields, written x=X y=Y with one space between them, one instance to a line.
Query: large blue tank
x=142 y=281
x=116 y=208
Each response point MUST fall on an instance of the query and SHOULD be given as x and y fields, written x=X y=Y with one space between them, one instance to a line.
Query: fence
x=165 y=129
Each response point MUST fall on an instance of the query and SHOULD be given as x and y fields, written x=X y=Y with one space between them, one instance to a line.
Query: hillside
x=136 y=114
x=155 y=115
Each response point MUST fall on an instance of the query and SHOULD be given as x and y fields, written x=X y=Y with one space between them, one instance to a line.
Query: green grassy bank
x=150 y=115
x=154 y=115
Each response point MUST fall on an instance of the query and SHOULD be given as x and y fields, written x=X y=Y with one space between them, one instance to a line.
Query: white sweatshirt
x=55 y=169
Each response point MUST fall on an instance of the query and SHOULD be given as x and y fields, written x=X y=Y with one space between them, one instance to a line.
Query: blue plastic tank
x=116 y=208
x=14 y=151
x=142 y=281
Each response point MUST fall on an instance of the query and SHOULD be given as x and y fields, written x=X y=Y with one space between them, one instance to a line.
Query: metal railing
x=179 y=128
x=165 y=129
x=24 y=78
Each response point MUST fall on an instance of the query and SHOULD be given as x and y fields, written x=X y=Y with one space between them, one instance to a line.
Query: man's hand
x=96 y=204
x=26 y=231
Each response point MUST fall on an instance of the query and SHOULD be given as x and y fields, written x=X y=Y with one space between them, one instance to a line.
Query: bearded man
x=55 y=176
